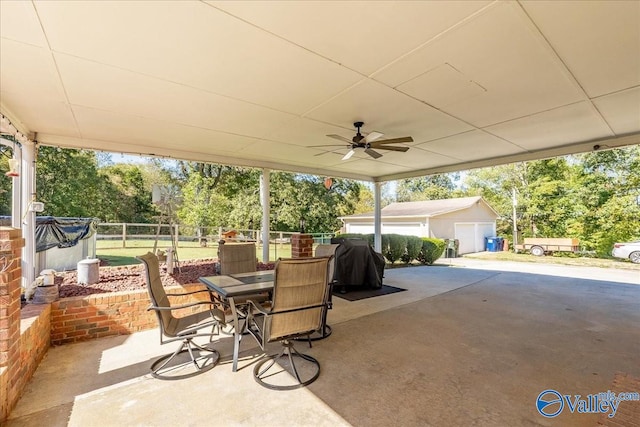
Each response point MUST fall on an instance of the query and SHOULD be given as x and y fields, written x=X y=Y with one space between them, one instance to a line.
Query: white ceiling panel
x=621 y=110
x=472 y=145
x=149 y=133
x=306 y=132
x=275 y=151
x=32 y=74
x=498 y=52
x=46 y=115
x=578 y=122
x=258 y=84
x=363 y=36
x=19 y=22
x=125 y=92
x=603 y=34
x=193 y=47
x=419 y=159
x=385 y=110
x=368 y=167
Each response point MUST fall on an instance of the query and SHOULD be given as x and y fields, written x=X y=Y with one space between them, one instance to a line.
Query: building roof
x=426 y=208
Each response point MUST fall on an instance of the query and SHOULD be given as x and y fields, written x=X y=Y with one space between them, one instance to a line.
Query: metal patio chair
x=184 y=328
x=234 y=258
x=300 y=296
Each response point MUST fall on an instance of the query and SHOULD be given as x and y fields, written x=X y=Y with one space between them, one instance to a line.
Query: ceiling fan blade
x=348 y=155
x=328 y=145
x=393 y=140
x=372 y=153
x=372 y=136
x=340 y=138
x=403 y=149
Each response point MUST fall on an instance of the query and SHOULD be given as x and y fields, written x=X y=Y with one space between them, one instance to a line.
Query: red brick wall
x=34 y=341
x=301 y=246
x=116 y=313
x=11 y=243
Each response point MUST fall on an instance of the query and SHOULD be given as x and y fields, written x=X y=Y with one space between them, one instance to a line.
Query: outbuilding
x=468 y=219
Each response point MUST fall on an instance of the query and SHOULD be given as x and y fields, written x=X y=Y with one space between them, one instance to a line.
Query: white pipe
x=377 y=217
x=265 y=201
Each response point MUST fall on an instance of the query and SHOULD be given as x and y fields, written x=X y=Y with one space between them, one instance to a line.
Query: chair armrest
x=177 y=307
x=262 y=310
x=188 y=293
x=259 y=307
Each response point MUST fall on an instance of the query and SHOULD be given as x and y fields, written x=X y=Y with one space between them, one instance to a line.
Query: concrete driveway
x=471 y=343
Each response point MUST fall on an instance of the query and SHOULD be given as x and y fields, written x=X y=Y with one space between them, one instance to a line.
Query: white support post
x=16 y=194
x=265 y=201
x=28 y=178
x=377 y=217
x=515 y=225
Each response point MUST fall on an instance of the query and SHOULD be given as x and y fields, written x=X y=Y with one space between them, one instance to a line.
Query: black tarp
x=52 y=232
x=357 y=264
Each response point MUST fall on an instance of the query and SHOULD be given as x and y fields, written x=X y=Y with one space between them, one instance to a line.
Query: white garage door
x=466 y=235
x=404 y=229
x=360 y=228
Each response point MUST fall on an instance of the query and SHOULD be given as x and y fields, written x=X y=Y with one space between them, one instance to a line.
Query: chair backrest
x=330 y=251
x=237 y=258
x=299 y=284
x=157 y=294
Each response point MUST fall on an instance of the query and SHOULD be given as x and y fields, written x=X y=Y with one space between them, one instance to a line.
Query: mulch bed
x=131 y=277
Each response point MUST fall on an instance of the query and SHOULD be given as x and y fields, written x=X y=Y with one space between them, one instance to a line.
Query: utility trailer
x=540 y=246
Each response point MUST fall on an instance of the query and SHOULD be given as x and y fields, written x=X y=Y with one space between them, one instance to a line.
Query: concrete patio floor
x=470 y=343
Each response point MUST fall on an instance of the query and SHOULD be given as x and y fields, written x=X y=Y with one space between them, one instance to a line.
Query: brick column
x=301 y=246
x=11 y=243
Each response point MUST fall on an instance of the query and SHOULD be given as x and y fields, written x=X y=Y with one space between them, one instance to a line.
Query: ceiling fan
x=369 y=142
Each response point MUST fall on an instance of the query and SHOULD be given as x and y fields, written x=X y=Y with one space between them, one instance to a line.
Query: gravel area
x=131 y=277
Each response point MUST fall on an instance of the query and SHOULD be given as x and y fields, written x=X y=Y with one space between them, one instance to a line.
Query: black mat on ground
x=357 y=293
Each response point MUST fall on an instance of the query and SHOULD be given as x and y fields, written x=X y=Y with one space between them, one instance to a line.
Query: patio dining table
x=233 y=288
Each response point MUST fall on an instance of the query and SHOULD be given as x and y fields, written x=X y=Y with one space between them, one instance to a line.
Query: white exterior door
x=471 y=236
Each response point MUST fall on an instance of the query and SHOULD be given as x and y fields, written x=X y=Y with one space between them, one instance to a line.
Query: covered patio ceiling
x=261 y=84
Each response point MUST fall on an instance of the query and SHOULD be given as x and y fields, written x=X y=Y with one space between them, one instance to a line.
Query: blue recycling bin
x=491 y=244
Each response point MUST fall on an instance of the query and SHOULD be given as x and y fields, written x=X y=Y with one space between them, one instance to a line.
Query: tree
x=6 y=183
x=134 y=191
x=70 y=185
x=432 y=187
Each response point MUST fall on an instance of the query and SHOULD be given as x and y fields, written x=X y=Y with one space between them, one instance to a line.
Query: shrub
x=432 y=249
x=384 y=244
x=414 y=246
x=397 y=247
x=352 y=236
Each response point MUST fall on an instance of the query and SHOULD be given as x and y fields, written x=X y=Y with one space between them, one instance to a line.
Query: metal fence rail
x=119 y=233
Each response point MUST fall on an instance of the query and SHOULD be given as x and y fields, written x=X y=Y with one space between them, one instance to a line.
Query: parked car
x=630 y=250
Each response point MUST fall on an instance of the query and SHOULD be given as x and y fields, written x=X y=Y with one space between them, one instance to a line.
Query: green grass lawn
x=112 y=252
x=558 y=259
